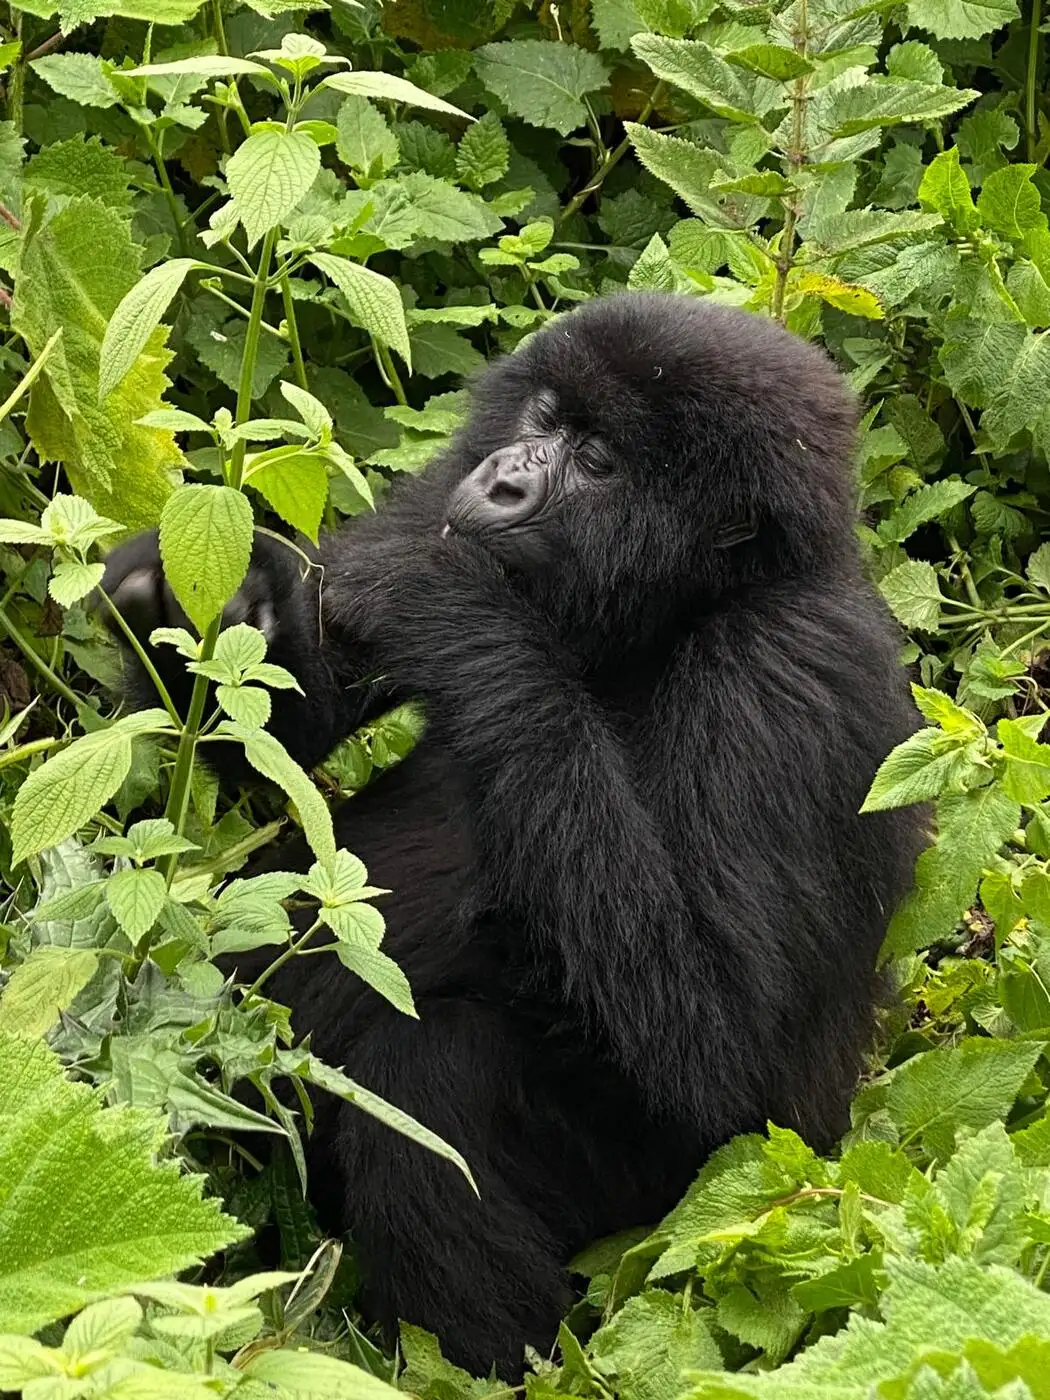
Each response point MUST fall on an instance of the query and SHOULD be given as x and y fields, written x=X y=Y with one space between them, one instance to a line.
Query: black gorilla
x=631 y=890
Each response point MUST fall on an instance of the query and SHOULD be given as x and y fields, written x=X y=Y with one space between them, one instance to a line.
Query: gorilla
x=632 y=892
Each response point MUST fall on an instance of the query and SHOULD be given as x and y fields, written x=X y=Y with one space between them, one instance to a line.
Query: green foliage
x=250 y=254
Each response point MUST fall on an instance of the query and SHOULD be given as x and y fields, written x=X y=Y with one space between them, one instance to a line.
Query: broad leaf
x=543 y=83
x=86 y=1205
x=135 y=320
x=40 y=988
x=268 y=175
x=374 y=301
x=206 y=543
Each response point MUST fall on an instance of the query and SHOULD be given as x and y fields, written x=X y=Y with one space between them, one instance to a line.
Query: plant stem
x=38 y=663
x=612 y=159
x=17 y=85
x=795 y=158
x=157 y=154
x=386 y=364
x=143 y=656
x=218 y=27
x=179 y=796
x=284 y=957
x=293 y=331
x=25 y=751
x=1030 y=93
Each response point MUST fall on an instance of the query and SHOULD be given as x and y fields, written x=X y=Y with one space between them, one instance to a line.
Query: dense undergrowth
x=248 y=254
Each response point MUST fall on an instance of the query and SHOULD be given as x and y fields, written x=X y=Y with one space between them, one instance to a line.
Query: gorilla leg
x=486 y=1274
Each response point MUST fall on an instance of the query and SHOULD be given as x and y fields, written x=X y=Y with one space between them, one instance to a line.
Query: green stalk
x=612 y=159
x=796 y=157
x=157 y=154
x=16 y=85
x=179 y=796
x=1030 y=94
x=218 y=28
x=390 y=374
x=293 y=331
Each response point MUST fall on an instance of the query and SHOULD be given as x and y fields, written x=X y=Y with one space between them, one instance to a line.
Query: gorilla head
x=658 y=448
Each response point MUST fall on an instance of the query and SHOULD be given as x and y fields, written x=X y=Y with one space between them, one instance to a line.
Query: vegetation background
x=249 y=253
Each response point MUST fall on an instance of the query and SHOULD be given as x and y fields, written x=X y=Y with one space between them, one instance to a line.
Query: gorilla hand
x=276 y=599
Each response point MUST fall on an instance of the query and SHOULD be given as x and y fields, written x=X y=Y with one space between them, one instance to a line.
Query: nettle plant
x=162 y=914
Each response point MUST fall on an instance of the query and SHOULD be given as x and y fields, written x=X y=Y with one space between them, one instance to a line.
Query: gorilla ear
x=737 y=532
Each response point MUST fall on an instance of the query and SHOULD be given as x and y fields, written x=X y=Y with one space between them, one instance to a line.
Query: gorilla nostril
x=507 y=493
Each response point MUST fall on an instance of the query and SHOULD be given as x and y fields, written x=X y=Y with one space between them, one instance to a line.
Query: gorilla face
x=517 y=500
x=656 y=447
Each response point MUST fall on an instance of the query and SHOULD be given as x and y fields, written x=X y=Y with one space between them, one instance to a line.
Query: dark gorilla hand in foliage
x=631 y=889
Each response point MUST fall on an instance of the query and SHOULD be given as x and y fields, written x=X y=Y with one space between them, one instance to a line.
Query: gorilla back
x=631 y=889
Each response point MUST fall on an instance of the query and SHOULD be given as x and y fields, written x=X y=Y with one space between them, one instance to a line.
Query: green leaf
x=961 y=19
x=268 y=175
x=649 y=1343
x=927 y=503
x=73 y=580
x=392 y=88
x=82 y=77
x=136 y=898
x=365 y=142
x=913 y=591
x=1009 y=202
x=86 y=1205
x=270 y=758
x=925 y=765
x=687 y=169
x=698 y=70
x=543 y=83
x=483 y=154
x=336 y=1082
x=204 y=65
x=65 y=792
x=42 y=987
x=124 y=469
x=771 y=61
x=373 y=966
x=1026 y=774
x=246 y=705
x=295 y=485
x=883 y=102
x=1037 y=570
x=205 y=543
x=945 y=188
x=445 y=213
x=135 y=320
x=374 y=301
x=977 y=356
x=970 y=1085
x=311 y=1375
x=972 y=827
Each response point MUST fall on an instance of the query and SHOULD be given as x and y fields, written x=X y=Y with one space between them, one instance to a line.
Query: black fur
x=631 y=890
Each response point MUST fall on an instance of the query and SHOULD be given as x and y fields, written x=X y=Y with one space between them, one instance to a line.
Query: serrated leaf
x=307 y=1375
x=925 y=765
x=972 y=827
x=961 y=19
x=946 y=188
x=204 y=65
x=373 y=300
x=135 y=898
x=1026 y=773
x=884 y=102
x=694 y=66
x=1009 y=202
x=296 y=487
x=135 y=320
x=929 y=502
x=844 y=296
x=970 y=1085
x=364 y=140
x=86 y=1206
x=392 y=88
x=444 y=213
x=65 y=792
x=81 y=167
x=270 y=758
x=380 y=972
x=543 y=83
x=40 y=988
x=73 y=580
x=650 y=1342
x=268 y=175
x=913 y=591
x=483 y=154
x=1037 y=569
x=771 y=61
x=247 y=705
x=82 y=77
x=64 y=283
x=687 y=169
x=335 y=1082
x=206 y=537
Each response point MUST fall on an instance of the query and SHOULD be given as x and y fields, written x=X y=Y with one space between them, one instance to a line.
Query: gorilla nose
x=503 y=490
